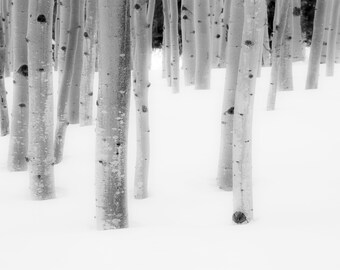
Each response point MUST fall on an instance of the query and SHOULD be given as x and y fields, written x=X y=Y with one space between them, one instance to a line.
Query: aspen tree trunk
x=166 y=42
x=216 y=32
x=173 y=18
x=73 y=103
x=19 y=123
x=113 y=115
x=141 y=98
x=317 y=43
x=337 y=46
x=188 y=41
x=276 y=49
x=244 y=100
x=203 y=53
x=150 y=15
x=57 y=36
x=65 y=15
x=224 y=34
x=332 y=33
x=225 y=165
x=89 y=62
x=6 y=6
x=298 y=46
x=326 y=30
x=266 y=52
x=4 y=120
x=65 y=83
x=40 y=66
x=286 y=69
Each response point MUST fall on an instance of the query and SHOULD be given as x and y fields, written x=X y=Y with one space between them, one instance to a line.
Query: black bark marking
x=63 y=48
x=22 y=105
x=231 y=110
x=239 y=218
x=296 y=11
x=249 y=43
x=144 y=109
x=23 y=70
x=137 y=6
x=41 y=18
x=86 y=35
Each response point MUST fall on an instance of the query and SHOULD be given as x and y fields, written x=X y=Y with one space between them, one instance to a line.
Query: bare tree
x=173 y=18
x=331 y=41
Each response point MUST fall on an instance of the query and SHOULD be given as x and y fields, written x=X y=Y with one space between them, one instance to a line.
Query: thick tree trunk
x=89 y=62
x=188 y=42
x=73 y=103
x=276 y=53
x=203 y=52
x=40 y=66
x=141 y=97
x=326 y=30
x=242 y=140
x=224 y=34
x=317 y=43
x=166 y=42
x=4 y=119
x=173 y=18
x=298 y=46
x=216 y=32
x=332 y=33
x=225 y=166
x=65 y=83
x=19 y=122
x=113 y=115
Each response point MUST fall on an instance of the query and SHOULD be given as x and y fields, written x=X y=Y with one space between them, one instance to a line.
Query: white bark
x=166 y=43
x=203 y=52
x=216 y=32
x=4 y=119
x=89 y=62
x=326 y=30
x=224 y=34
x=113 y=113
x=277 y=44
x=188 y=41
x=337 y=46
x=141 y=98
x=6 y=7
x=298 y=46
x=317 y=44
x=244 y=100
x=225 y=166
x=266 y=51
x=332 y=33
x=173 y=18
x=40 y=66
x=65 y=83
x=19 y=121
x=73 y=103
x=150 y=15
x=56 y=36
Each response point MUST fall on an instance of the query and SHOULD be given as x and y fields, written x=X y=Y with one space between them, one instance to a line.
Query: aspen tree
x=89 y=59
x=203 y=53
x=4 y=119
x=19 y=121
x=326 y=30
x=244 y=100
x=276 y=53
x=6 y=9
x=225 y=165
x=113 y=115
x=73 y=103
x=298 y=46
x=316 y=46
x=332 y=33
x=141 y=98
x=285 y=81
x=150 y=15
x=266 y=52
x=337 y=46
x=173 y=18
x=216 y=32
x=188 y=41
x=65 y=83
x=56 y=35
x=40 y=66
x=224 y=34
x=166 y=43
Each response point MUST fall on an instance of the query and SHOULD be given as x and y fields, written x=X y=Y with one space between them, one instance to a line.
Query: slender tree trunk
x=266 y=52
x=65 y=83
x=276 y=49
x=242 y=141
x=188 y=41
x=57 y=36
x=6 y=5
x=216 y=32
x=326 y=30
x=316 y=47
x=332 y=33
x=89 y=62
x=19 y=122
x=337 y=52
x=173 y=18
x=113 y=115
x=150 y=15
x=166 y=43
x=224 y=34
x=203 y=53
x=141 y=98
x=4 y=120
x=225 y=166
x=298 y=46
x=40 y=66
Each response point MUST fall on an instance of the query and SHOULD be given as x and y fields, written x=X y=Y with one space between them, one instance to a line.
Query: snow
x=186 y=221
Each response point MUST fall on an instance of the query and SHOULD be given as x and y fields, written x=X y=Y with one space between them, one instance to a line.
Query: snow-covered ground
x=186 y=222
